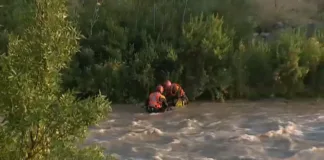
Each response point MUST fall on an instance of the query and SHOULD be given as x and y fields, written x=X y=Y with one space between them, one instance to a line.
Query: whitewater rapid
x=213 y=131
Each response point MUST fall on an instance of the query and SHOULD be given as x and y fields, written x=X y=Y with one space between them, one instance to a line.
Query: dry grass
x=290 y=11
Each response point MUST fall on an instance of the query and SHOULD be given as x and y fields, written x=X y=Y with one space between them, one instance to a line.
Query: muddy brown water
x=267 y=130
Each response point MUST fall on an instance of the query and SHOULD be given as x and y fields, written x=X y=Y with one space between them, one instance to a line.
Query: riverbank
x=294 y=101
x=242 y=56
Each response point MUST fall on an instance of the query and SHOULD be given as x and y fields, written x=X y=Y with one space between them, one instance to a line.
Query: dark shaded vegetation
x=207 y=46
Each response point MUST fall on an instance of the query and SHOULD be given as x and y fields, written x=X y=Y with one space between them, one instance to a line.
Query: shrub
x=40 y=119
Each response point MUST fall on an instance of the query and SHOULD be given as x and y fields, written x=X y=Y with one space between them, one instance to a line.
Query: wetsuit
x=156 y=102
x=174 y=93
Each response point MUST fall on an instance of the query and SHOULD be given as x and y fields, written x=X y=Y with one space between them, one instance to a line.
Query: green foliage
x=73 y=153
x=131 y=46
x=257 y=70
x=289 y=66
x=15 y=15
x=40 y=120
x=209 y=44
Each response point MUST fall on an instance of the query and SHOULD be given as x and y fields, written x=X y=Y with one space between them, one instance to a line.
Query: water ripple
x=209 y=131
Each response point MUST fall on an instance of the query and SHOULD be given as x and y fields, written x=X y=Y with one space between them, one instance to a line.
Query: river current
x=264 y=130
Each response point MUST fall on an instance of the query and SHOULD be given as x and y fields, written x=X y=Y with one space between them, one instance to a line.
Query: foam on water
x=212 y=133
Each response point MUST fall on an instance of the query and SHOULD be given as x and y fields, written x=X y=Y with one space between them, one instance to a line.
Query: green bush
x=207 y=47
x=40 y=119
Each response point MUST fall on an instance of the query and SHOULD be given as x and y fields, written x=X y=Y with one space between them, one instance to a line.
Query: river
x=263 y=130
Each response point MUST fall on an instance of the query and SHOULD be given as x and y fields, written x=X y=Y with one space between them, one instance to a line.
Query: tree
x=40 y=120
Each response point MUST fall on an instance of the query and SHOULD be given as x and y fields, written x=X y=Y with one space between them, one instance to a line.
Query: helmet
x=167 y=84
x=160 y=88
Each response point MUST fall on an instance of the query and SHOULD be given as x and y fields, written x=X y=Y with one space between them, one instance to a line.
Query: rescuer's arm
x=164 y=101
